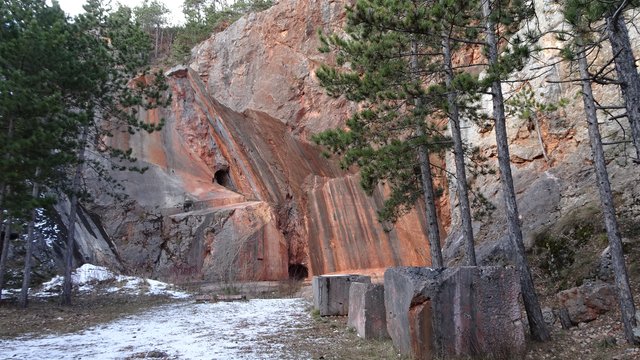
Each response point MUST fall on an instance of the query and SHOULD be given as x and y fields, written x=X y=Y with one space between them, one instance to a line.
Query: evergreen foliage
x=67 y=86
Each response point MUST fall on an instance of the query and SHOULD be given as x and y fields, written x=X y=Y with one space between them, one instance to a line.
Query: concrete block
x=479 y=313
x=464 y=311
x=367 y=313
x=409 y=310
x=331 y=293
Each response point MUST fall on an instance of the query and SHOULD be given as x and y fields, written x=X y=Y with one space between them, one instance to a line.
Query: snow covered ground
x=90 y=278
x=255 y=329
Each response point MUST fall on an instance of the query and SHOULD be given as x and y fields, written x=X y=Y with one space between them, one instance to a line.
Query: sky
x=74 y=7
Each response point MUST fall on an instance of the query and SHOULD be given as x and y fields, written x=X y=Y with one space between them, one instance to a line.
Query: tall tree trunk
x=627 y=72
x=537 y=325
x=5 y=251
x=157 y=38
x=433 y=229
x=161 y=37
x=458 y=152
x=71 y=223
x=7 y=156
x=627 y=307
x=26 y=277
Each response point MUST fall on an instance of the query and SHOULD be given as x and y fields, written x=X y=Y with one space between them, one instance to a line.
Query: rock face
x=465 y=311
x=552 y=189
x=235 y=189
x=267 y=61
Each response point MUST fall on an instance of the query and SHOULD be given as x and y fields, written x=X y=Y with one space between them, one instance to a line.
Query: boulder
x=331 y=293
x=367 y=313
x=465 y=311
x=584 y=303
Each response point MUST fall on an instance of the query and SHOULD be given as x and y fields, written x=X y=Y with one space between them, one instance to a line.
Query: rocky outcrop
x=236 y=196
x=233 y=173
x=267 y=61
x=554 y=188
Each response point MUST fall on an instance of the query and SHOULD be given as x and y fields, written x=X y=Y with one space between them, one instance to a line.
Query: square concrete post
x=367 y=313
x=331 y=293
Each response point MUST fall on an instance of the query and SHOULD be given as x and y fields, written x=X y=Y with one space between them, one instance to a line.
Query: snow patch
x=90 y=278
x=256 y=329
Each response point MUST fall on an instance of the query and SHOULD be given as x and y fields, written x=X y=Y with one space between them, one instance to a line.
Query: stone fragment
x=367 y=313
x=548 y=316
x=466 y=311
x=565 y=320
x=584 y=303
x=331 y=293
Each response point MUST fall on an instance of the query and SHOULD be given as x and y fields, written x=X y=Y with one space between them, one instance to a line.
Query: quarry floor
x=117 y=326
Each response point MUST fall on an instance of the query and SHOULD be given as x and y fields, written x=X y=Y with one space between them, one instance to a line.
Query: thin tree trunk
x=7 y=156
x=26 y=277
x=536 y=122
x=433 y=229
x=71 y=224
x=157 y=38
x=627 y=307
x=537 y=325
x=458 y=151
x=5 y=251
x=627 y=72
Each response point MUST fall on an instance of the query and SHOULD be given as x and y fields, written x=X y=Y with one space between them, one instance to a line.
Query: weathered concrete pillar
x=407 y=295
x=465 y=311
x=331 y=293
x=478 y=313
x=367 y=313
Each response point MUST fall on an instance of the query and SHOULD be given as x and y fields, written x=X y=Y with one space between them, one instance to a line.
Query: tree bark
x=26 y=277
x=433 y=229
x=627 y=307
x=627 y=72
x=5 y=251
x=458 y=152
x=71 y=228
x=537 y=326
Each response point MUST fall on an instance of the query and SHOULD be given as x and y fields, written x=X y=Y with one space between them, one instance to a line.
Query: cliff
x=235 y=190
x=238 y=194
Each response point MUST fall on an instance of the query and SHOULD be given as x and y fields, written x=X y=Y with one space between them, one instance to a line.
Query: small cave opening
x=221 y=177
x=298 y=272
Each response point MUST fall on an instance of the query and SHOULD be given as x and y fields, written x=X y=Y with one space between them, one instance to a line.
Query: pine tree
x=606 y=19
x=497 y=69
x=581 y=17
x=153 y=17
x=34 y=128
x=117 y=82
x=392 y=139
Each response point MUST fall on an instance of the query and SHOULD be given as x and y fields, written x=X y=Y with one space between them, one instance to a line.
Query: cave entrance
x=222 y=178
x=298 y=272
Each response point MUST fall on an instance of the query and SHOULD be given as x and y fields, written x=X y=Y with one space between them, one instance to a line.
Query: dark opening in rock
x=222 y=177
x=298 y=272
